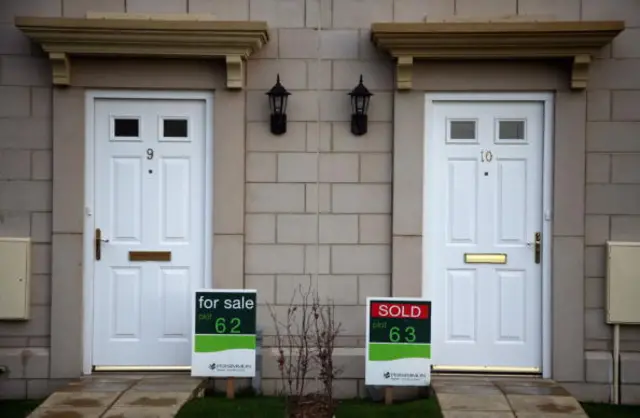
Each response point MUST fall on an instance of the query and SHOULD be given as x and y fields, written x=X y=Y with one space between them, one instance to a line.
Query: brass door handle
x=538 y=245
x=98 y=243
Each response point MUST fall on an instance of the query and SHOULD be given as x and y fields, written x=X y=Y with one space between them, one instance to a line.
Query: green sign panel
x=224 y=340
x=398 y=342
x=398 y=330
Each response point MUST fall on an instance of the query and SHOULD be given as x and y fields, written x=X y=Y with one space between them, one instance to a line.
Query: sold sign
x=398 y=342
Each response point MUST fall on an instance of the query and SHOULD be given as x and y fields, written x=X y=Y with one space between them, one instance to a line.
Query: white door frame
x=547 y=195
x=89 y=198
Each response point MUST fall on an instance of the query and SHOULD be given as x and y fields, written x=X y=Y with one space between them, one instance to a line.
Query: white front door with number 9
x=149 y=198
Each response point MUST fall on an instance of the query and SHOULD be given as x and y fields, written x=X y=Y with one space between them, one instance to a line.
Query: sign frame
x=402 y=371
x=228 y=362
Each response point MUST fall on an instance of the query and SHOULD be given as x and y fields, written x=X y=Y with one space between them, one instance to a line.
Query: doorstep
x=504 y=397
x=121 y=396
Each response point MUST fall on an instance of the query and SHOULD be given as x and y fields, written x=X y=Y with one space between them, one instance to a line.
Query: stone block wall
x=612 y=193
x=25 y=193
x=354 y=173
x=354 y=197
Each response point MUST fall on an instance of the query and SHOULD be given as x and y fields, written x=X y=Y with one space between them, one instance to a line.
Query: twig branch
x=308 y=334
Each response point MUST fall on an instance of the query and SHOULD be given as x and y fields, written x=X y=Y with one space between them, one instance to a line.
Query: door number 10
x=486 y=156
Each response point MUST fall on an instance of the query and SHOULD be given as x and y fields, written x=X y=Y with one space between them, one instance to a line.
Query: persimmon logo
x=405 y=376
x=229 y=367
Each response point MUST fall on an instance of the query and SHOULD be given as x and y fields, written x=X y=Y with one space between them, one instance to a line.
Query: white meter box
x=623 y=282
x=15 y=275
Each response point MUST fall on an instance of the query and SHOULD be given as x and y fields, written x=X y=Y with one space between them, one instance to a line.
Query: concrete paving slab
x=169 y=401
x=139 y=412
x=525 y=383
x=462 y=402
x=534 y=390
x=544 y=404
x=475 y=414
x=170 y=385
x=508 y=397
x=161 y=377
x=120 y=396
x=469 y=389
x=463 y=380
x=79 y=400
x=68 y=412
x=533 y=381
x=535 y=415
x=98 y=385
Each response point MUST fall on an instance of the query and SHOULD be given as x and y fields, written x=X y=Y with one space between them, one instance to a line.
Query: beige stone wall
x=355 y=174
x=25 y=193
x=612 y=202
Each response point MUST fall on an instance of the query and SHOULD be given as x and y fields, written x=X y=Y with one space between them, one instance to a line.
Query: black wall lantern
x=278 y=96
x=360 y=96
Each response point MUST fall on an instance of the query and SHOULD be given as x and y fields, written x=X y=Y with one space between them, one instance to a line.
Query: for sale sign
x=398 y=351
x=224 y=333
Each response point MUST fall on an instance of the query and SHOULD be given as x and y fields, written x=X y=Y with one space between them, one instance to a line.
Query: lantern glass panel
x=278 y=104
x=359 y=105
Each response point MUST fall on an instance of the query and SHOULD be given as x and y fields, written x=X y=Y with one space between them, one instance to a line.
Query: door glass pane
x=511 y=129
x=175 y=128
x=126 y=127
x=462 y=129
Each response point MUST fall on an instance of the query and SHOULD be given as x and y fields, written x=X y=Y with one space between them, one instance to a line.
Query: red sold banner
x=399 y=310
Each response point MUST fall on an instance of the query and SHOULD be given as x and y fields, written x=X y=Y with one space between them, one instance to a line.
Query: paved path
x=502 y=397
x=120 y=396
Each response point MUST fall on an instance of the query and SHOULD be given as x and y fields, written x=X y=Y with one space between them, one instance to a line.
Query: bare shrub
x=305 y=340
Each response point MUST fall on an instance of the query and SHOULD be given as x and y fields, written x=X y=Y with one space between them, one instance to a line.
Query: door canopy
x=121 y=35
x=577 y=41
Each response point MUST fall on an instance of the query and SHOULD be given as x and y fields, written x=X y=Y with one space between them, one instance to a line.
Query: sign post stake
x=231 y=392
x=388 y=395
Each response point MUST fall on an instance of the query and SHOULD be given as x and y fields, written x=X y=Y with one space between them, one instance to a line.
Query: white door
x=483 y=200
x=149 y=191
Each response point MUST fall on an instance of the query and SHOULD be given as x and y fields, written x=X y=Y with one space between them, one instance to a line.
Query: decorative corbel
x=580 y=71
x=235 y=72
x=404 y=72
x=61 y=68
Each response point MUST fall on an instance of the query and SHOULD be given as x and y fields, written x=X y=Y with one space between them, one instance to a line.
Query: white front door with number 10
x=483 y=214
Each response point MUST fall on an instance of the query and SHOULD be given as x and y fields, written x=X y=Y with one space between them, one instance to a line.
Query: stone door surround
x=64 y=38
x=97 y=53
x=577 y=41
x=498 y=57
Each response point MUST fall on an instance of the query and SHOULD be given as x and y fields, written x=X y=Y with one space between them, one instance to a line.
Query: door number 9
x=149 y=154
x=486 y=156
